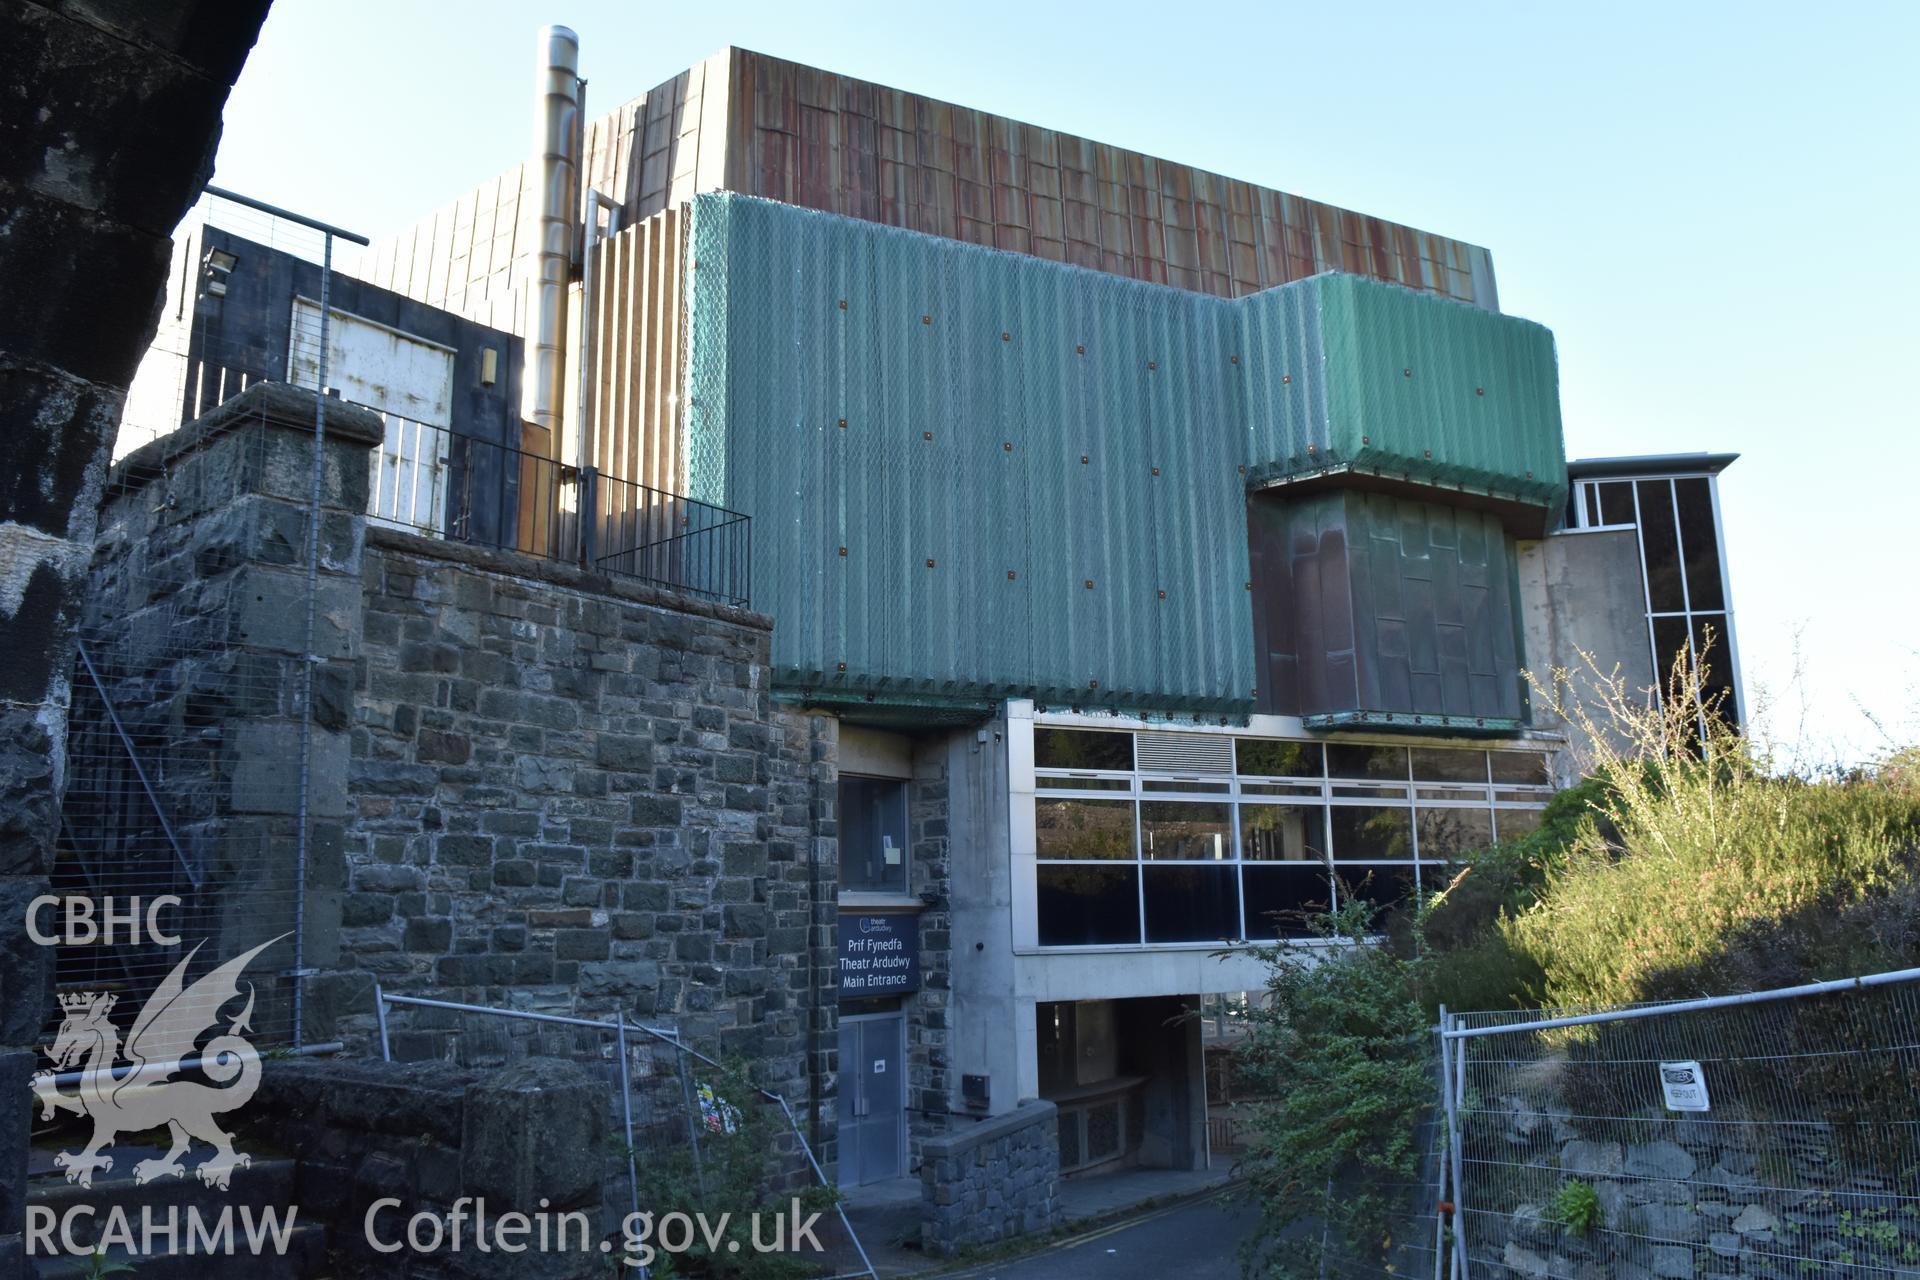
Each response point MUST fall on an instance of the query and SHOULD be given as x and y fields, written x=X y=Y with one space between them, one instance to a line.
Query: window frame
x=905 y=786
x=1238 y=792
x=1587 y=520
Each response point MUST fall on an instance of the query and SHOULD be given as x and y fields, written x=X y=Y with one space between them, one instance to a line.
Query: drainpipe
x=556 y=143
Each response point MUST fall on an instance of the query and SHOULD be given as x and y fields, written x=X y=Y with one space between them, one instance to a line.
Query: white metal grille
x=1184 y=753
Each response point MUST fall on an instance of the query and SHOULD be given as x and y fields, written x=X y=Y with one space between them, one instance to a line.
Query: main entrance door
x=873 y=1113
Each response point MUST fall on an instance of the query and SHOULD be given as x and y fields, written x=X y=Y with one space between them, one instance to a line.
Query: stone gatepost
x=198 y=613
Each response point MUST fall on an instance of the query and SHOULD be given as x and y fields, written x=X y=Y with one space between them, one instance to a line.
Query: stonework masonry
x=927 y=1012
x=571 y=795
x=991 y=1181
x=111 y=118
x=533 y=787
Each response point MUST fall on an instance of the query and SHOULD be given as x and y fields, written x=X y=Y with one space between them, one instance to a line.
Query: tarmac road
x=1197 y=1241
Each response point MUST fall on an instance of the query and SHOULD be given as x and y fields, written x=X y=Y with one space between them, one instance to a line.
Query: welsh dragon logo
x=144 y=1094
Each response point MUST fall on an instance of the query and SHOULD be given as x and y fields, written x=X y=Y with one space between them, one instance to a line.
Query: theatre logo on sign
x=879 y=956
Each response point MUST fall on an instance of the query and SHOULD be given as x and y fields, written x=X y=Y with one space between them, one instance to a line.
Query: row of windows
x=1105 y=751
x=1086 y=904
x=1078 y=829
x=1260 y=833
x=1686 y=592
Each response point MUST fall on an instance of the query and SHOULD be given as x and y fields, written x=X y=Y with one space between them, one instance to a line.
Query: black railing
x=466 y=489
x=661 y=537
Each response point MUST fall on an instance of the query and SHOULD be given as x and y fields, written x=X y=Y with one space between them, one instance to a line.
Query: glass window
x=1280 y=789
x=1511 y=824
x=1699 y=546
x=1283 y=833
x=1347 y=760
x=1268 y=758
x=1279 y=898
x=1437 y=764
x=1615 y=503
x=1716 y=658
x=873 y=834
x=1066 y=830
x=1171 y=831
x=1371 y=793
x=1386 y=887
x=1521 y=768
x=1191 y=788
x=1192 y=904
x=1084 y=784
x=1450 y=833
x=1088 y=906
x=1669 y=646
x=1082 y=749
x=1371 y=831
x=1661 y=546
x=1457 y=794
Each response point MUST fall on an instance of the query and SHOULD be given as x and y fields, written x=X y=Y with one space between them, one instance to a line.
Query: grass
x=1685 y=864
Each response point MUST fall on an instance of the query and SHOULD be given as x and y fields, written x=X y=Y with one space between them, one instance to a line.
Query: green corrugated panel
x=1131 y=377
x=1349 y=372
x=1127 y=375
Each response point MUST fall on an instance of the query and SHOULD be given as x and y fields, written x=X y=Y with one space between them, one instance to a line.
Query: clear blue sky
x=1712 y=206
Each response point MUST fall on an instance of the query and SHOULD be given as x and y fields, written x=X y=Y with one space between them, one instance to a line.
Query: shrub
x=739 y=1170
x=1576 y=1207
x=1697 y=850
x=1345 y=1046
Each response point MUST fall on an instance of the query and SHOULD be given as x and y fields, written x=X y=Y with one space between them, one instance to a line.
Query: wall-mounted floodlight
x=219 y=265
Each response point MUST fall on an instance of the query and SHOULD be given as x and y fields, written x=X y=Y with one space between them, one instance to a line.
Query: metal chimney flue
x=556 y=139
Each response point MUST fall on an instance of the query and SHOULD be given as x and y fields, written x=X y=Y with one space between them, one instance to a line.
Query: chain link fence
x=190 y=740
x=1774 y=1135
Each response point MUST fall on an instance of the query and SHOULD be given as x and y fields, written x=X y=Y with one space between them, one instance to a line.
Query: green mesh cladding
x=1346 y=372
x=976 y=474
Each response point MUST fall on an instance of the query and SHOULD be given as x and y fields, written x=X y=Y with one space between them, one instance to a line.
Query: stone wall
x=928 y=1058
x=574 y=794
x=195 y=624
x=529 y=1138
x=111 y=119
x=992 y=1180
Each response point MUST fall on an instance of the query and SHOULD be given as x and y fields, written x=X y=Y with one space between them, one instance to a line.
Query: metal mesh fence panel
x=690 y=1135
x=188 y=814
x=1777 y=1139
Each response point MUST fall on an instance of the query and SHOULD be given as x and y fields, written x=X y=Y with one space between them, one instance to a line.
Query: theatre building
x=1155 y=556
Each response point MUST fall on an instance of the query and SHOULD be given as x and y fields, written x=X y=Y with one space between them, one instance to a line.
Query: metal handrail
x=526 y=491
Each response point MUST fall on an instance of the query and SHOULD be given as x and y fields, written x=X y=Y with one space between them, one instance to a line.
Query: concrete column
x=990 y=1023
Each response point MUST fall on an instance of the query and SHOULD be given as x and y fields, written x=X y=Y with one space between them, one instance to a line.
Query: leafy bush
x=1698 y=858
x=739 y=1173
x=1345 y=1047
x=1575 y=1207
x=1683 y=865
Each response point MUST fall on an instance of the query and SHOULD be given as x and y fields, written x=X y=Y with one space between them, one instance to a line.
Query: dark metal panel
x=1382 y=610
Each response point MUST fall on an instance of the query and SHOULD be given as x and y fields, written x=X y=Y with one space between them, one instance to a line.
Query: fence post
x=626 y=1110
x=695 y=1118
x=1448 y=1095
x=588 y=516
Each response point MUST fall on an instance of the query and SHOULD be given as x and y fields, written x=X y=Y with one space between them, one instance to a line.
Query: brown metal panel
x=639 y=351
